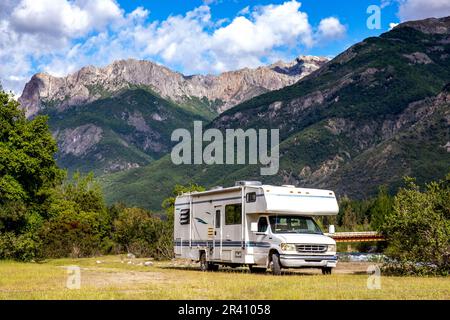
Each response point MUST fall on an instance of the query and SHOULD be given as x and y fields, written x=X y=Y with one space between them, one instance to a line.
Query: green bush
x=78 y=224
x=418 y=229
x=137 y=231
x=23 y=247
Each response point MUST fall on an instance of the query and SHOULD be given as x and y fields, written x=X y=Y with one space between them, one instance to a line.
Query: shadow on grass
x=239 y=270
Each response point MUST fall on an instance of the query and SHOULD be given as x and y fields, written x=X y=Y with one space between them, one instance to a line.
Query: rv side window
x=251 y=197
x=184 y=216
x=262 y=224
x=217 y=218
x=233 y=214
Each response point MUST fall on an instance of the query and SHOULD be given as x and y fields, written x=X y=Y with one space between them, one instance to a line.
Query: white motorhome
x=261 y=226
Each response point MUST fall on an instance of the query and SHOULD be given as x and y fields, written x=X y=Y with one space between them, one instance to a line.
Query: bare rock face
x=80 y=140
x=418 y=58
x=230 y=88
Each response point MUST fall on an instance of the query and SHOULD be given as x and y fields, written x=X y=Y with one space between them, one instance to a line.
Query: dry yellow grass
x=114 y=278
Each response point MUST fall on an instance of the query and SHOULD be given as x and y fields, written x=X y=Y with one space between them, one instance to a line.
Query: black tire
x=213 y=266
x=326 y=270
x=276 y=265
x=254 y=269
x=203 y=263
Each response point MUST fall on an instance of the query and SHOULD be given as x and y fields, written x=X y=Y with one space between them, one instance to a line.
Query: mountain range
x=373 y=114
x=121 y=116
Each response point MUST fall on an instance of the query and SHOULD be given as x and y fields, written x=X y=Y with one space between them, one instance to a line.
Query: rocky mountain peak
x=91 y=83
x=429 y=26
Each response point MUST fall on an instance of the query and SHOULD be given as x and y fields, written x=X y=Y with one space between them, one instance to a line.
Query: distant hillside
x=373 y=114
x=117 y=133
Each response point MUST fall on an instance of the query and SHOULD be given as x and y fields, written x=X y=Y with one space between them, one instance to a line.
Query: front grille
x=311 y=248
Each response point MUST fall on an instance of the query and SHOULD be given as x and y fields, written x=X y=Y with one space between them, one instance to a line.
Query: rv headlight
x=331 y=248
x=288 y=247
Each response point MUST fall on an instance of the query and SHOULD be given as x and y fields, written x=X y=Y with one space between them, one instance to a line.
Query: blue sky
x=189 y=36
x=352 y=13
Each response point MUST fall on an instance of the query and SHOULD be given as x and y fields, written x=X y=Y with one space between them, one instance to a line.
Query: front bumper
x=304 y=261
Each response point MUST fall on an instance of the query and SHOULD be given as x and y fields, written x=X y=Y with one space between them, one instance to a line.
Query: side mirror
x=331 y=229
x=254 y=227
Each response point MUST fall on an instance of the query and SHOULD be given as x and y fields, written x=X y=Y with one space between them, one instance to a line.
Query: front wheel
x=275 y=264
x=326 y=270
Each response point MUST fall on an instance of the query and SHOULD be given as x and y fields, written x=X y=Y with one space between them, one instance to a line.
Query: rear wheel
x=213 y=266
x=205 y=265
x=326 y=270
x=203 y=262
x=254 y=269
x=275 y=264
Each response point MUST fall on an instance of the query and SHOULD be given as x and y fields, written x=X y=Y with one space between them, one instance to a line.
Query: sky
x=190 y=36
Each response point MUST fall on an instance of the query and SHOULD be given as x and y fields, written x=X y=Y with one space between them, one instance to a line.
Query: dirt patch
x=107 y=278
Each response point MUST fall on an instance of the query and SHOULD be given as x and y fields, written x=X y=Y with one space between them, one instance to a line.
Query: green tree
x=137 y=231
x=418 y=228
x=381 y=207
x=28 y=169
x=28 y=174
x=78 y=222
x=347 y=217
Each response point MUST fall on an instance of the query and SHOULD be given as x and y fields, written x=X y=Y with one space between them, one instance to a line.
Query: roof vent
x=288 y=186
x=217 y=188
x=248 y=183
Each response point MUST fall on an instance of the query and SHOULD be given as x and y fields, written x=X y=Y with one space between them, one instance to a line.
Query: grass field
x=116 y=277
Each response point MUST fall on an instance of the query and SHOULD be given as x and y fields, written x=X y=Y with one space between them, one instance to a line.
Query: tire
x=326 y=270
x=276 y=265
x=213 y=266
x=203 y=263
x=254 y=269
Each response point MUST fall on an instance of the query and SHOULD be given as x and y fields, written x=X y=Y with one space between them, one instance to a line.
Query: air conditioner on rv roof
x=248 y=183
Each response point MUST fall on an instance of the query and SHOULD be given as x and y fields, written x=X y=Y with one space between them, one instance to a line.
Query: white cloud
x=421 y=9
x=331 y=28
x=245 y=41
x=58 y=18
x=60 y=36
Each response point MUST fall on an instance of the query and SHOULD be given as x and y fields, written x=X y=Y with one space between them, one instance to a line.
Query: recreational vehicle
x=261 y=226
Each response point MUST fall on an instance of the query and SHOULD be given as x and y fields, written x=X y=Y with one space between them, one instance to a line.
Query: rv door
x=217 y=242
x=261 y=238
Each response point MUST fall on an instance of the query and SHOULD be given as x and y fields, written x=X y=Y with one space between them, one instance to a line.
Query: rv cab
x=261 y=226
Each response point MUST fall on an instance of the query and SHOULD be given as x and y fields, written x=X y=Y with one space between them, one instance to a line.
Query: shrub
x=418 y=229
x=78 y=224
x=23 y=247
x=138 y=232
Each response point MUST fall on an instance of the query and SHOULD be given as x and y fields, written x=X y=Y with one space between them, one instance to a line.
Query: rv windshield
x=293 y=224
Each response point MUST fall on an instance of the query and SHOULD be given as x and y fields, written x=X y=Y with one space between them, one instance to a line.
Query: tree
x=78 y=222
x=381 y=207
x=347 y=217
x=28 y=169
x=28 y=174
x=418 y=228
